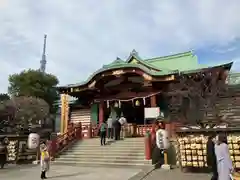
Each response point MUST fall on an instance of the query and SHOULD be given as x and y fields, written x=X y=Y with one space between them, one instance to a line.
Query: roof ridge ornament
x=134 y=52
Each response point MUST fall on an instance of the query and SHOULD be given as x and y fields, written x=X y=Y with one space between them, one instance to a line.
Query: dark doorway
x=133 y=114
x=139 y=113
x=128 y=111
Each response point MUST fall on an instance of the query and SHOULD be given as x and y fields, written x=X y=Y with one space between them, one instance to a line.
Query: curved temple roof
x=185 y=62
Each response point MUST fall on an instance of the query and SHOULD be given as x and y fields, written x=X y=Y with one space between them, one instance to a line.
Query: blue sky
x=85 y=34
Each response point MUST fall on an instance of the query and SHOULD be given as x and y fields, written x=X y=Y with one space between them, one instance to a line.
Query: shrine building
x=127 y=86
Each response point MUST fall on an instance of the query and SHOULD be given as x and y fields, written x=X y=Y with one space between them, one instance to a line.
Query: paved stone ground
x=63 y=172
x=60 y=172
x=174 y=174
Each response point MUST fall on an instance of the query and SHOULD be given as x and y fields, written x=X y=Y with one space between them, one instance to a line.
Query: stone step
x=106 y=164
x=110 y=142
x=97 y=142
x=102 y=151
x=107 y=148
x=96 y=153
x=103 y=160
x=106 y=156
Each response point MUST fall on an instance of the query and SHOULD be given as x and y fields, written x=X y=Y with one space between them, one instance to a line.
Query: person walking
x=224 y=163
x=211 y=157
x=103 y=129
x=3 y=151
x=110 y=127
x=45 y=160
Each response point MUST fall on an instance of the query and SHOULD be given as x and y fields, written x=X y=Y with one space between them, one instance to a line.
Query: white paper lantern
x=162 y=139
x=33 y=140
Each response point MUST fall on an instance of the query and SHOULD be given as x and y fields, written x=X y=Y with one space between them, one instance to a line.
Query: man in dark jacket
x=211 y=157
x=117 y=129
x=3 y=151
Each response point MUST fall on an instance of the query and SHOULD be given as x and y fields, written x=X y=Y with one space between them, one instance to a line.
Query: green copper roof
x=185 y=62
x=182 y=61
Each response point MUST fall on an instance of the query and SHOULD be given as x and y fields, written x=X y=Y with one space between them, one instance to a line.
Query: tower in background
x=43 y=61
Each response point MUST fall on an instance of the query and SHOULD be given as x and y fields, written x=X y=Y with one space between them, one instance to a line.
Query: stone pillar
x=64 y=113
x=101 y=112
x=153 y=101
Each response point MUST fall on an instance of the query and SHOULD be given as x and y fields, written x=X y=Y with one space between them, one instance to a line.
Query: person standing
x=110 y=127
x=158 y=152
x=45 y=160
x=123 y=122
x=117 y=129
x=211 y=157
x=103 y=129
x=224 y=163
x=3 y=151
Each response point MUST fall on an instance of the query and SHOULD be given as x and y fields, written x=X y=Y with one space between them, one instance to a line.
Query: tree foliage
x=35 y=84
x=22 y=112
x=4 y=97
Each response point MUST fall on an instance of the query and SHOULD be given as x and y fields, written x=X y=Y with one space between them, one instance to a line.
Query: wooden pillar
x=101 y=112
x=64 y=113
x=153 y=101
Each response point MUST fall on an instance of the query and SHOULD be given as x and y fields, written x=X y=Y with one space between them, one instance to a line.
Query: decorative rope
x=131 y=99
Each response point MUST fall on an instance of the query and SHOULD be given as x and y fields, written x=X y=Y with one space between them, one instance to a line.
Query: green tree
x=4 y=97
x=35 y=84
x=27 y=111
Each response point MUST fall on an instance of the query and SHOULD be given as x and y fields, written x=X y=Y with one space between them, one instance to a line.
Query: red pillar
x=153 y=101
x=101 y=112
x=148 y=146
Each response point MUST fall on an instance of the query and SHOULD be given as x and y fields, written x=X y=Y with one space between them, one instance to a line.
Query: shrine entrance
x=133 y=110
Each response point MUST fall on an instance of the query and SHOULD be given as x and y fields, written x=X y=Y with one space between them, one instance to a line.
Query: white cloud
x=84 y=35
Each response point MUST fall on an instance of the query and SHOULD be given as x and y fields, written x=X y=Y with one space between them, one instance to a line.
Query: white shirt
x=159 y=139
x=110 y=122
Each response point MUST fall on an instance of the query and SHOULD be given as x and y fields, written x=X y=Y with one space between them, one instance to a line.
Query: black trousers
x=157 y=156
x=117 y=132
x=43 y=175
x=110 y=133
x=3 y=160
x=215 y=173
x=103 y=137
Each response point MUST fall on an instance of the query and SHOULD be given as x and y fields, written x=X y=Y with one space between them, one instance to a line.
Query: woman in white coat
x=224 y=163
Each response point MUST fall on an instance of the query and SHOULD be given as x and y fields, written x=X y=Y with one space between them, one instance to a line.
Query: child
x=45 y=161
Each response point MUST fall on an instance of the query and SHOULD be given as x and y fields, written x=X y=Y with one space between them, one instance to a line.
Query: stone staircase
x=88 y=152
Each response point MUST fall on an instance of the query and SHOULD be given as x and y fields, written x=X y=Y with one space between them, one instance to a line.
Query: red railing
x=58 y=144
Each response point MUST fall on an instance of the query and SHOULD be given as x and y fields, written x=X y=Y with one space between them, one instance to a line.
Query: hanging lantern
x=116 y=105
x=33 y=140
x=137 y=103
